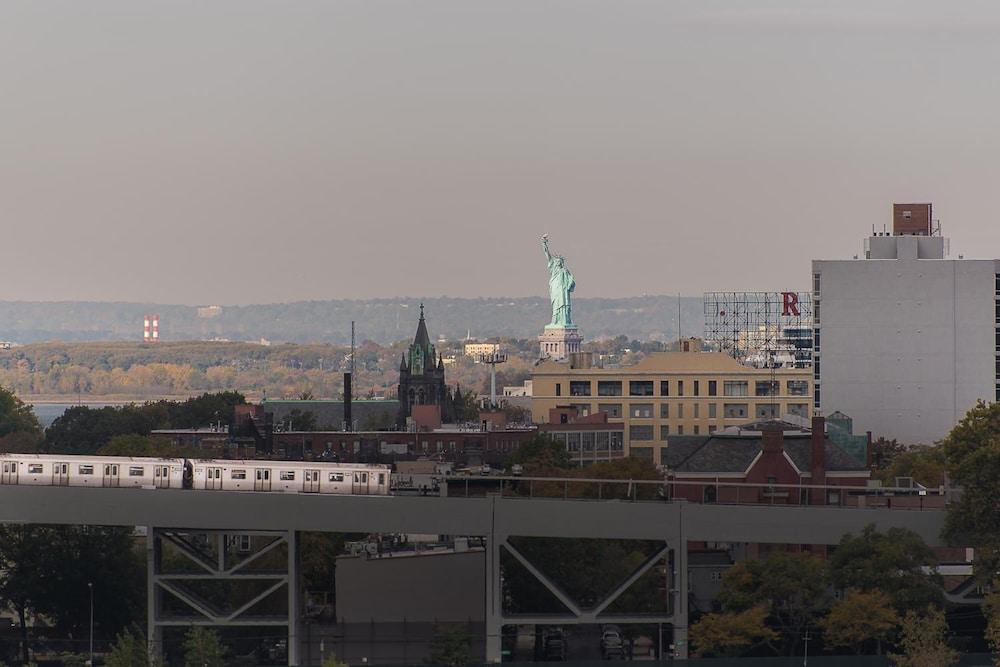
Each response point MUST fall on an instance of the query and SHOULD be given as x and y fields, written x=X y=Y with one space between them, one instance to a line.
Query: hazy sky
x=245 y=151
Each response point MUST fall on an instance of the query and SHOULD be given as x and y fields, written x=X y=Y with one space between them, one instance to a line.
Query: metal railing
x=708 y=491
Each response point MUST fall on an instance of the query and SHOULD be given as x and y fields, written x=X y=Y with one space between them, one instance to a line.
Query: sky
x=246 y=151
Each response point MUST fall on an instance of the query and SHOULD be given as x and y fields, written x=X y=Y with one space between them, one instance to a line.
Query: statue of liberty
x=561 y=284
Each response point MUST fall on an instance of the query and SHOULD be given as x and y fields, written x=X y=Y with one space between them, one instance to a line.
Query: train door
x=310 y=481
x=110 y=475
x=161 y=477
x=213 y=478
x=359 y=486
x=8 y=475
x=262 y=480
x=382 y=488
x=60 y=474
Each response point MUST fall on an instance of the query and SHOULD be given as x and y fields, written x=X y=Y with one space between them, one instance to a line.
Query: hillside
x=383 y=321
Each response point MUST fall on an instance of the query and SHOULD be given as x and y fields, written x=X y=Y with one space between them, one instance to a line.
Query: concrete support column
x=681 y=591
x=154 y=634
x=494 y=594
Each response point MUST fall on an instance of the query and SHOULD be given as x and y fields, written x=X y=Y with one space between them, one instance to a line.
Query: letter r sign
x=789 y=304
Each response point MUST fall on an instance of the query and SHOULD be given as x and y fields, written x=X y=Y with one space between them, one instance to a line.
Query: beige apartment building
x=671 y=394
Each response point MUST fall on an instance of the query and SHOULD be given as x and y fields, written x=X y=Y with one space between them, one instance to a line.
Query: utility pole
x=90 y=586
x=805 y=655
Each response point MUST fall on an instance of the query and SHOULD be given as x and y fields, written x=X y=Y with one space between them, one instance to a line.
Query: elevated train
x=179 y=473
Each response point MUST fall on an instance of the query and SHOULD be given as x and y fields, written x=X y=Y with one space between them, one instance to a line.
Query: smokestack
x=348 y=419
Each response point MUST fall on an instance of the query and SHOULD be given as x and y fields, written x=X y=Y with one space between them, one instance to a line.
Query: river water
x=49 y=412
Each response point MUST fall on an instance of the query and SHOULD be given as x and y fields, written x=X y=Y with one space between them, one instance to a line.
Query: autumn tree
x=731 y=634
x=203 y=648
x=19 y=427
x=130 y=650
x=924 y=641
x=792 y=586
x=859 y=620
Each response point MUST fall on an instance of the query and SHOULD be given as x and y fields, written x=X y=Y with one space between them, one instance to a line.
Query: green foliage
x=301 y=420
x=858 y=620
x=890 y=562
x=731 y=634
x=924 y=641
x=73 y=660
x=130 y=650
x=991 y=611
x=467 y=407
x=38 y=580
x=378 y=421
x=540 y=453
x=202 y=648
x=793 y=587
x=926 y=465
x=16 y=416
x=333 y=661
x=451 y=646
x=884 y=452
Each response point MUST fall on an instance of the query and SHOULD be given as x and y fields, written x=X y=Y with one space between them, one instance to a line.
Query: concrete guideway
x=674 y=524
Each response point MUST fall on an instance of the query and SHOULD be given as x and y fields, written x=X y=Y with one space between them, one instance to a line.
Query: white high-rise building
x=906 y=340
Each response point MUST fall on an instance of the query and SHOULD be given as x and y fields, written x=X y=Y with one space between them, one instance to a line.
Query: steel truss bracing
x=675 y=555
x=226 y=558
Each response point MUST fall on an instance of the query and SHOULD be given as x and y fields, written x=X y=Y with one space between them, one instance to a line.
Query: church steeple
x=422 y=340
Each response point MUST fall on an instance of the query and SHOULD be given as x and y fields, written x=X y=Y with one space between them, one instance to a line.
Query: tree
x=450 y=646
x=84 y=430
x=130 y=650
x=202 y=648
x=858 y=620
x=791 y=585
x=923 y=641
x=19 y=427
x=541 y=452
x=991 y=610
x=893 y=562
x=22 y=548
x=884 y=452
x=731 y=634
x=333 y=661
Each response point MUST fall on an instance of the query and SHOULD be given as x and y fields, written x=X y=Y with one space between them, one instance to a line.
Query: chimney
x=772 y=438
x=347 y=403
x=818 y=457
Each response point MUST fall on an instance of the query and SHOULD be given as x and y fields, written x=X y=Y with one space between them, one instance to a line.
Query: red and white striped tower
x=151 y=329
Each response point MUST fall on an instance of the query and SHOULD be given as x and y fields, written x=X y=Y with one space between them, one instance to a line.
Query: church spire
x=422 y=340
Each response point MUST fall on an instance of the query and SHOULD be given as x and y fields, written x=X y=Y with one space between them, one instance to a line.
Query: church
x=421 y=378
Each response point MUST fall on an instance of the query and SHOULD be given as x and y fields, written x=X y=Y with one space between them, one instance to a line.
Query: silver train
x=221 y=475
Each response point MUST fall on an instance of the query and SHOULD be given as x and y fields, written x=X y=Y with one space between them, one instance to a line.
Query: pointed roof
x=402 y=362
x=422 y=339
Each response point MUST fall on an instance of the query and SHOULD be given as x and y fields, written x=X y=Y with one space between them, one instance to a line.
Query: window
x=734 y=410
x=579 y=388
x=735 y=388
x=815 y=283
x=680 y=430
x=816 y=312
x=237 y=474
x=680 y=387
x=33 y=468
x=696 y=430
x=767 y=411
x=816 y=403
x=767 y=388
x=715 y=576
x=816 y=339
x=641 y=410
x=617 y=441
x=680 y=411
x=136 y=471
x=587 y=438
x=665 y=411
x=573 y=440
x=798 y=409
x=558 y=389
x=640 y=388
x=711 y=410
x=609 y=388
x=798 y=387
x=637 y=433
x=711 y=428
x=697 y=391
x=602 y=441
x=287 y=475
x=816 y=368
x=664 y=431
x=86 y=470
x=582 y=409
x=713 y=388
x=697 y=409
x=664 y=387
x=614 y=410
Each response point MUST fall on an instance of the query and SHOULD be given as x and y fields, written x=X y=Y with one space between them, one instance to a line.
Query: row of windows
x=645 y=387
x=644 y=433
x=680 y=411
x=589 y=441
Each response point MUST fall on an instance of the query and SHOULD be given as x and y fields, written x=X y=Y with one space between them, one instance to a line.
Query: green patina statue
x=561 y=284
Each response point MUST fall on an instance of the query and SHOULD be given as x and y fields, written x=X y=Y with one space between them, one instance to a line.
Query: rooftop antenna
x=493 y=358
x=680 y=345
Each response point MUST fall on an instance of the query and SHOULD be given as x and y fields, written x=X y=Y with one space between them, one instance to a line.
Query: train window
x=238 y=474
x=287 y=475
x=336 y=477
x=6 y=467
x=34 y=469
x=381 y=478
x=156 y=470
x=136 y=471
x=364 y=478
x=357 y=478
x=86 y=470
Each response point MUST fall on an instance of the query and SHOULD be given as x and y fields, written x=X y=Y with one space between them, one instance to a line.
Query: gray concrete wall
x=907 y=345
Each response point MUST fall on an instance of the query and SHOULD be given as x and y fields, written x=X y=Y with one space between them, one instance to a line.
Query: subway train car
x=221 y=475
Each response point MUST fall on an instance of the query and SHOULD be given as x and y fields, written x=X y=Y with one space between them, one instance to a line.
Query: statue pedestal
x=558 y=342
